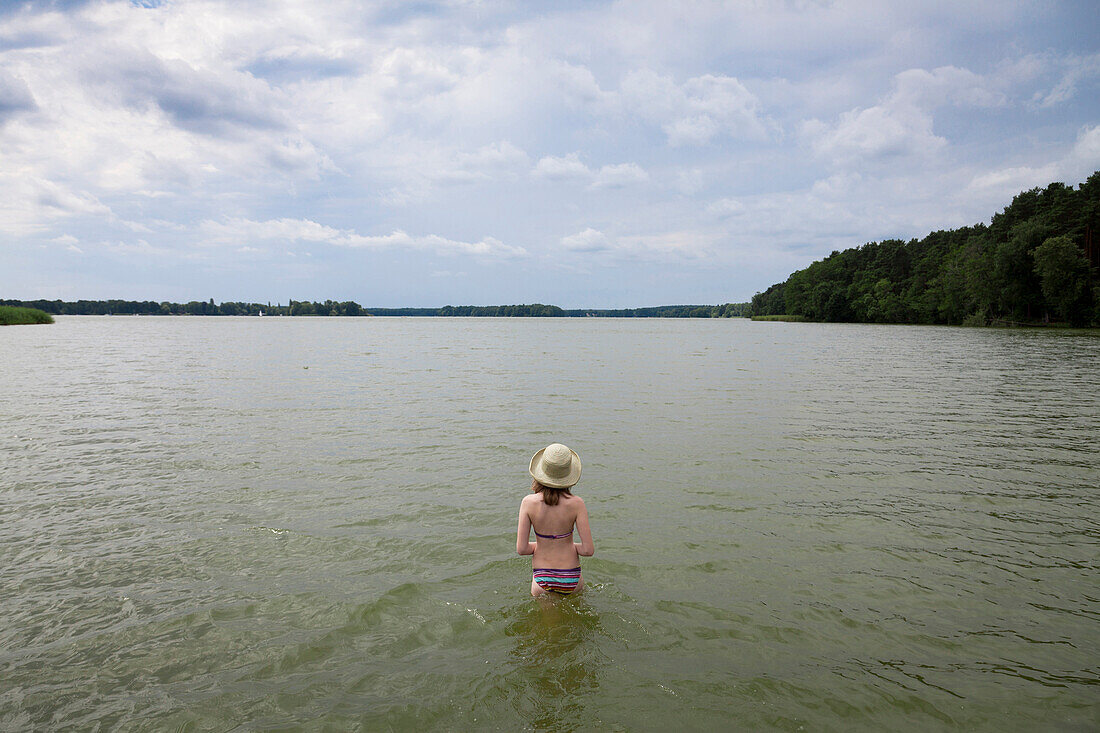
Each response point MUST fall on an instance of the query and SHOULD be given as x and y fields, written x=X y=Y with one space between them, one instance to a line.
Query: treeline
x=193 y=308
x=1037 y=261
x=483 y=311
x=351 y=308
x=726 y=310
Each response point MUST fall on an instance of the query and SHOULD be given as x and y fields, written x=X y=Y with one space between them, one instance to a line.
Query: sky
x=582 y=154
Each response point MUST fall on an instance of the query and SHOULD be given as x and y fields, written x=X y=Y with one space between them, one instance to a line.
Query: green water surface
x=281 y=524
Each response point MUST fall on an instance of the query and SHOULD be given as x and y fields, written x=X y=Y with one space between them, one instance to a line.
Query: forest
x=192 y=308
x=1037 y=262
x=351 y=308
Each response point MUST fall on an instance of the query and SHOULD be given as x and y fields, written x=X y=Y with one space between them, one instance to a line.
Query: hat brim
x=564 y=482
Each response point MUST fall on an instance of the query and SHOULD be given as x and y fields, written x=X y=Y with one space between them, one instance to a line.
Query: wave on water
x=833 y=527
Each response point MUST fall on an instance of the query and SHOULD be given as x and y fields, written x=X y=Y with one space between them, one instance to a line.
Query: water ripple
x=817 y=527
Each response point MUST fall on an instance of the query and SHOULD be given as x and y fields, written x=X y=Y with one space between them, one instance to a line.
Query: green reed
x=12 y=316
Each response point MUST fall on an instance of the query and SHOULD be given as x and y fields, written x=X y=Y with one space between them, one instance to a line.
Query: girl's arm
x=523 y=534
x=585 y=547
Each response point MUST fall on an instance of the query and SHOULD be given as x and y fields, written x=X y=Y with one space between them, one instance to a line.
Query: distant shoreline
x=331 y=308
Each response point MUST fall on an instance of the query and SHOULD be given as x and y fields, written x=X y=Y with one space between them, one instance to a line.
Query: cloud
x=683 y=245
x=15 y=96
x=1086 y=151
x=246 y=232
x=901 y=125
x=139 y=247
x=845 y=209
x=689 y=181
x=63 y=200
x=589 y=240
x=307 y=62
x=69 y=242
x=488 y=246
x=563 y=168
x=945 y=85
x=657 y=246
x=695 y=112
x=1012 y=180
x=1077 y=163
x=571 y=168
x=1077 y=70
x=202 y=100
x=414 y=73
x=496 y=161
x=30 y=204
x=619 y=134
x=23 y=29
x=617 y=176
x=874 y=133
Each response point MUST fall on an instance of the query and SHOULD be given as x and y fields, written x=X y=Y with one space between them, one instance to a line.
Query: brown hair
x=549 y=495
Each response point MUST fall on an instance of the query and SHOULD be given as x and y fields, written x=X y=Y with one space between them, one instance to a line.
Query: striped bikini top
x=554 y=536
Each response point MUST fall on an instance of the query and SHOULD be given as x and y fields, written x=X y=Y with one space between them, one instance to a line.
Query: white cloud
x=725 y=207
x=500 y=160
x=563 y=168
x=589 y=240
x=63 y=200
x=617 y=176
x=1078 y=69
x=685 y=244
x=1086 y=151
x=30 y=204
x=740 y=131
x=131 y=101
x=247 y=232
x=690 y=181
x=499 y=155
x=413 y=73
x=15 y=96
x=696 y=111
x=1077 y=163
x=873 y=133
x=845 y=210
x=1008 y=181
x=70 y=242
x=570 y=167
x=656 y=246
x=901 y=125
x=945 y=85
x=488 y=246
x=138 y=247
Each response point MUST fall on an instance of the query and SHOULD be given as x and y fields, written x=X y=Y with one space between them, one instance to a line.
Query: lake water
x=253 y=524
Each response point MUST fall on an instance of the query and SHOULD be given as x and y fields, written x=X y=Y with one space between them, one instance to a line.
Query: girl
x=552 y=511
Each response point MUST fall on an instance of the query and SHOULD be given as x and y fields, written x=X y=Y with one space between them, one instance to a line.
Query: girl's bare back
x=555 y=553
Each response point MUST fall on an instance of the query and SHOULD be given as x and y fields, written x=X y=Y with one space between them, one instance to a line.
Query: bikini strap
x=553 y=536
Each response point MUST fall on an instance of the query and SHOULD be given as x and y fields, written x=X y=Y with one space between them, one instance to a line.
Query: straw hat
x=556 y=466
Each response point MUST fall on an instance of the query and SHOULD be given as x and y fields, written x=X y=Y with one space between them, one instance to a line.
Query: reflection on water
x=557 y=665
x=826 y=527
